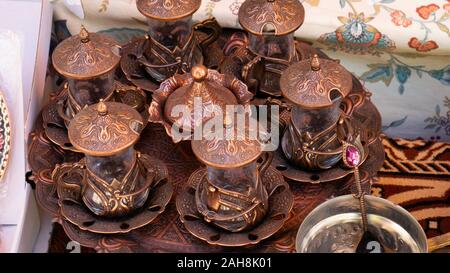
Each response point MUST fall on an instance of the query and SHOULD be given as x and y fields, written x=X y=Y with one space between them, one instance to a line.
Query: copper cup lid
x=227 y=153
x=284 y=16
x=105 y=128
x=86 y=55
x=204 y=85
x=311 y=83
x=167 y=10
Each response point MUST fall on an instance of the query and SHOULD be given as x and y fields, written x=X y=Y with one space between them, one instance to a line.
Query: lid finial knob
x=315 y=63
x=84 y=34
x=199 y=73
x=102 y=109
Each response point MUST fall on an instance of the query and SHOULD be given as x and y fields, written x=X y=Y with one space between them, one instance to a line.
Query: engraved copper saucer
x=372 y=164
x=280 y=204
x=54 y=125
x=69 y=187
x=43 y=156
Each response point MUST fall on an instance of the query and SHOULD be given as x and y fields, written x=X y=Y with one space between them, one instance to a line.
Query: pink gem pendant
x=351 y=156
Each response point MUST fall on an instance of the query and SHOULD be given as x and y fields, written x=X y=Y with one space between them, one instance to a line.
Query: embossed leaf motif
x=316 y=86
x=85 y=54
x=229 y=147
x=169 y=4
x=106 y=129
x=279 y=16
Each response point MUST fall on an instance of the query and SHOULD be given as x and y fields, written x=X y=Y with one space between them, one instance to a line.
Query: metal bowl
x=335 y=227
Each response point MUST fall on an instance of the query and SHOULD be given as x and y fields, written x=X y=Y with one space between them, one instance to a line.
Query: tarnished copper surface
x=86 y=55
x=105 y=128
x=212 y=87
x=133 y=97
x=167 y=10
x=73 y=210
x=310 y=83
x=280 y=204
x=284 y=16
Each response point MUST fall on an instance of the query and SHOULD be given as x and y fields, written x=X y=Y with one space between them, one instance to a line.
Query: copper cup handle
x=76 y=189
x=213 y=26
x=246 y=69
x=265 y=164
x=61 y=112
x=348 y=106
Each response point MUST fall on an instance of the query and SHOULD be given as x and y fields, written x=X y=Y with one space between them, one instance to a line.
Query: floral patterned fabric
x=400 y=49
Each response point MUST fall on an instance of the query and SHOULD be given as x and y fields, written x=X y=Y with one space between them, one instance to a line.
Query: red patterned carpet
x=415 y=175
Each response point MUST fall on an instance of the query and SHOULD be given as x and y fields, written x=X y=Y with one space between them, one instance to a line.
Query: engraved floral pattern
x=105 y=132
x=168 y=8
x=305 y=86
x=283 y=16
x=315 y=88
x=232 y=151
x=81 y=55
x=105 y=129
x=86 y=58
